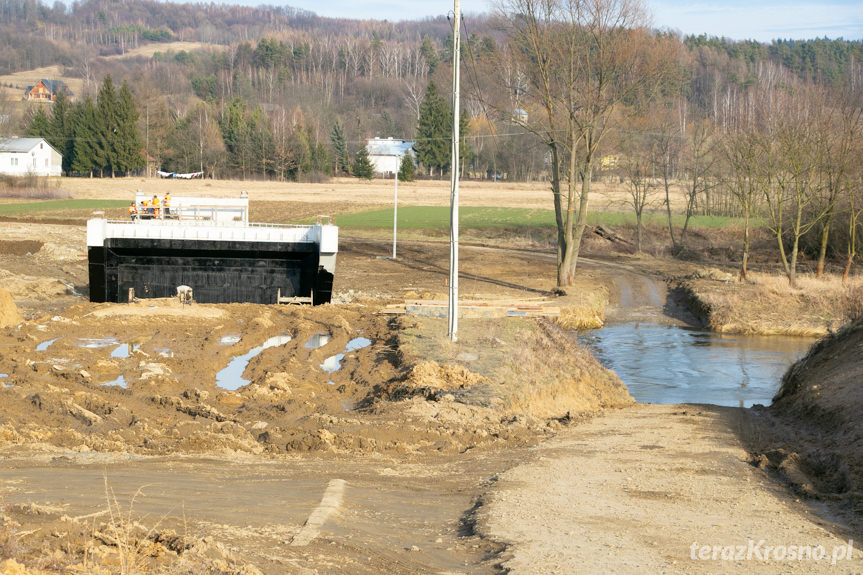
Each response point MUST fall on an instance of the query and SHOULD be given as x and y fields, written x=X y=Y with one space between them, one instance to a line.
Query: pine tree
x=363 y=166
x=341 y=160
x=85 y=148
x=465 y=151
x=406 y=169
x=237 y=136
x=128 y=148
x=63 y=129
x=433 y=131
x=428 y=52
x=40 y=124
x=106 y=131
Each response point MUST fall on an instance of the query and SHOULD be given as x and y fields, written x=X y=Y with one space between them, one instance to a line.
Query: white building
x=29 y=157
x=386 y=154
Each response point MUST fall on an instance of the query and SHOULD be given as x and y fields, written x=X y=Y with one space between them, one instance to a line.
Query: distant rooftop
x=19 y=145
x=388 y=146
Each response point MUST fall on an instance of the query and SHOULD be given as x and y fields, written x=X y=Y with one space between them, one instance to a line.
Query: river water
x=676 y=364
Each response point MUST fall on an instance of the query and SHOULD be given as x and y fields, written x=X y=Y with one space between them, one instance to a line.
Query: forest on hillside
x=747 y=129
x=296 y=76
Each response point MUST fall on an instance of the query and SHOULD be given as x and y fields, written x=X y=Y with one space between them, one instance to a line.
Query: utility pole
x=396 y=203
x=452 y=308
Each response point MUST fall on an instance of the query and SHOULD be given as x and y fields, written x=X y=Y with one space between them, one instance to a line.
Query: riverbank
x=811 y=436
x=766 y=304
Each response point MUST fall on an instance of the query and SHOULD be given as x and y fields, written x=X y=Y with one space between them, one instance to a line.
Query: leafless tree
x=582 y=59
x=841 y=132
x=794 y=130
x=742 y=147
x=637 y=164
x=698 y=160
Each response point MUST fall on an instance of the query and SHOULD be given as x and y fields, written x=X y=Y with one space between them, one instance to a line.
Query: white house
x=29 y=157
x=386 y=154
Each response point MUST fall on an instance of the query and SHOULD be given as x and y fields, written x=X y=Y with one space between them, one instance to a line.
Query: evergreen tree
x=263 y=147
x=434 y=131
x=63 y=129
x=127 y=145
x=85 y=148
x=406 y=169
x=319 y=155
x=363 y=166
x=237 y=136
x=341 y=160
x=105 y=157
x=428 y=51
x=40 y=124
x=465 y=151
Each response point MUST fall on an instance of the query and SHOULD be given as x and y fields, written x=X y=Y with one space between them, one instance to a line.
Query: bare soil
x=112 y=398
x=396 y=462
x=812 y=436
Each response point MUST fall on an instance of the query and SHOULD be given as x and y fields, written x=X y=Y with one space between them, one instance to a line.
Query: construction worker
x=154 y=204
x=133 y=211
x=146 y=212
x=166 y=204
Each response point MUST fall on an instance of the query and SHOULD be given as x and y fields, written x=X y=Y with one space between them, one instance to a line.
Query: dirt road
x=386 y=515
x=647 y=489
x=391 y=463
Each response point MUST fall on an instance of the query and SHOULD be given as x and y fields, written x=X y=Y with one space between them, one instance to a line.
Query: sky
x=762 y=20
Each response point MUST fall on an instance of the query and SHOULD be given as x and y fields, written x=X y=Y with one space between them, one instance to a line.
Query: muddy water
x=677 y=364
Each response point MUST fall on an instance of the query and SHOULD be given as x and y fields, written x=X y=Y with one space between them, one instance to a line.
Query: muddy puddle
x=675 y=364
x=46 y=344
x=334 y=363
x=231 y=377
x=317 y=341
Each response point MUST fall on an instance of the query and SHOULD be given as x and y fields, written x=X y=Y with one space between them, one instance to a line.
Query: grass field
x=437 y=217
x=60 y=206
x=410 y=217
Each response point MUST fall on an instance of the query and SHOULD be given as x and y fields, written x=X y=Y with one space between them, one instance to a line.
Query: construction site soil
x=170 y=438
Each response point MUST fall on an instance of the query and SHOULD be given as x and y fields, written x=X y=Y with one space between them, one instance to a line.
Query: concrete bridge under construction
x=209 y=245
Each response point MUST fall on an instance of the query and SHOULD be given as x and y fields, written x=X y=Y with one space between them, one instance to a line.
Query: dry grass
x=767 y=304
x=17 y=82
x=584 y=310
x=536 y=369
x=31 y=188
x=549 y=375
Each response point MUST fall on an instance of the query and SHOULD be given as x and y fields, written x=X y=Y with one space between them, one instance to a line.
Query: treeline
x=98 y=136
x=280 y=93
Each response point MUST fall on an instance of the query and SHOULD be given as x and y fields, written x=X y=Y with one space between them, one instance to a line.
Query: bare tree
x=794 y=132
x=840 y=131
x=742 y=148
x=581 y=59
x=699 y=159
x=642 y=186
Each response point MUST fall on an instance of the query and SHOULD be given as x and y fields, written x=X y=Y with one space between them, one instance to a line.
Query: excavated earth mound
x=813 y=435
x=8 y=312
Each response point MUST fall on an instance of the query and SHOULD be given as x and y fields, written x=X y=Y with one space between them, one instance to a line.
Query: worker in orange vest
x=166 y=204
x=133 y=211
x=154 y=203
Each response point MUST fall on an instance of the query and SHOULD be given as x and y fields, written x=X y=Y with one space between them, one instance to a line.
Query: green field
x=437 y=217
x=59 y=206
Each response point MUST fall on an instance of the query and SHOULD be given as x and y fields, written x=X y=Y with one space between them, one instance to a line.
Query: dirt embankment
x=768 y=305
x=812 y=434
